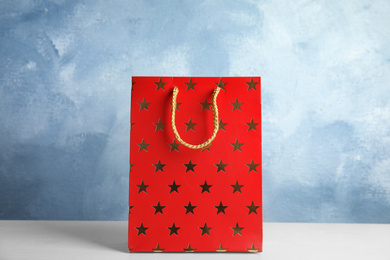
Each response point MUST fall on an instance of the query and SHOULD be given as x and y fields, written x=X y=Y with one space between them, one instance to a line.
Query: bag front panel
x=204 y=200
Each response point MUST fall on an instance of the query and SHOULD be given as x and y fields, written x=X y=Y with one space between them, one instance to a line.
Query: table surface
x=108 y=240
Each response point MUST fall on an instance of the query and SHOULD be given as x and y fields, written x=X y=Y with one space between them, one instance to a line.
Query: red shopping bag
x=195 y=165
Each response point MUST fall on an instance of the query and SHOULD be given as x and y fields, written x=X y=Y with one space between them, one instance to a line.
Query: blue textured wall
x=65 y=73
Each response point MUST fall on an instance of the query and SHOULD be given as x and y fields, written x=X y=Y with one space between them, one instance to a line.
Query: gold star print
x=174 y=187
x=159 y=125
x=252 y=166
x=205 y=229
x=130 y=249
x=252 y=125
x=159 y=166
x=190 y=85
x=237 y=229
x=221 y=84
x=158 y=249
x=253 y=249
x=221 y=166
x=141 y=229
x=130 y=207
x=174 y=145
x=132 y=84
x=131 y=127
x=189 y=208
x=190 y=166
x=207 y=147
x=142 y=187
x=221 y=208
x=160 y=85
x=189 y=249
x=190 y=125
x=144 y=105
x=252 y=208
x=158 y=208
x=237 y=145
x=131 y=165
x=143 y=146
x=177 y=105
x=220 y=249
x=237 y=187
x=251 y=84
x=205 y=105
x=222 y=125
x=173 y=229
x=205 y=187
x=236 y=105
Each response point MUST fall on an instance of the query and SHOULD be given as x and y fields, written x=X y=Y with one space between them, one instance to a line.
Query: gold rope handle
x=215 y=117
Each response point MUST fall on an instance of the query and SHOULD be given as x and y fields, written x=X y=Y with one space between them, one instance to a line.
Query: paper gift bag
x=195 y=165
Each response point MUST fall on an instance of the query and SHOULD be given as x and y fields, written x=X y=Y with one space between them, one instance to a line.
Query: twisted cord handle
x=215 y=118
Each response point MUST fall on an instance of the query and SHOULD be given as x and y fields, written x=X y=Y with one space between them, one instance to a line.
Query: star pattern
x=205 y=229
x=189 y=208
x=220 y=249
x=142 y=187
x=158 y=208
x=189 y=249
x=143 y=146
x=236 y=105
x=252 y=125
x=251 y=84
x=141 y=229
x=237 y=187
x=221 y=166
x=159 y=166
x=221 y=84
x=174 y=146
x=153 y=198
x=237 y=145
x=190 y=85
x=237 y=229
x=174 y=187
x=252 y=208
x=252 y=166
x=205 y=104
x=173 y=229
x=177 y=105
x=205 y=187
x=222 y=125
x=158 y=249
x=190 y=166
x=207 y=147
x=253 y=249
x=144 y=105
x=190 y=125
x=160 y=85
x=159 y=125
x=221 y=208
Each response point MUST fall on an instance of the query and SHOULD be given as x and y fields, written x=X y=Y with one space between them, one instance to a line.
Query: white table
x=108 y=240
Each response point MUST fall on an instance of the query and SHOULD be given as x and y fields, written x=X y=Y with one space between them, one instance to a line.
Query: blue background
x=65 y=78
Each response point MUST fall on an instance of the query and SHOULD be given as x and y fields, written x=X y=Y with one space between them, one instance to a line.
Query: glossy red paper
x=204 y=200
